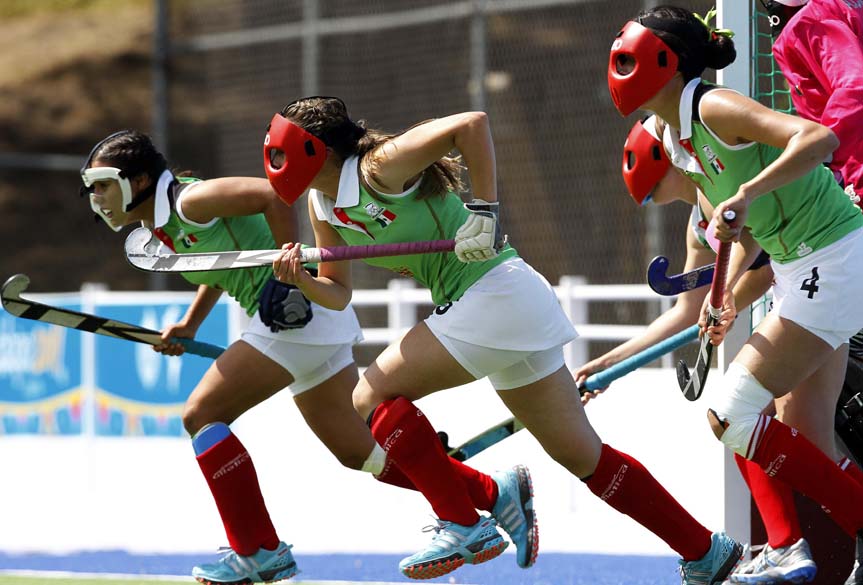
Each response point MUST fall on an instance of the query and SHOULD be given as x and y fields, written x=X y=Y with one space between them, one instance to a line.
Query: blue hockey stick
x=669 y=286
x=509 y=427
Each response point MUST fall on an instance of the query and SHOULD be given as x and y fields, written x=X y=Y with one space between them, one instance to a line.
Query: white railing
x=402 y=297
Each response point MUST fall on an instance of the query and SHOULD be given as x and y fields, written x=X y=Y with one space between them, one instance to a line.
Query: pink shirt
x=820 y=52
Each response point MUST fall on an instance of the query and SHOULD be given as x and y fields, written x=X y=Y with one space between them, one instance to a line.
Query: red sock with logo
x=775 y=502
x=480 y=486
x=410 y=441
x=784 y=453
x=625 y=485
x=231 y=475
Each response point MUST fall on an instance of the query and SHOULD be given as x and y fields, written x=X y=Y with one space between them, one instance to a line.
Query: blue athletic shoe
x=265 y=566
x=452 y=546
x=513 y=511
x=788 y=564
x=716 y=565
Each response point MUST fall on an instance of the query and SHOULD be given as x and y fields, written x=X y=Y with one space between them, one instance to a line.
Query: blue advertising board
x=139 y=391
x=40 y=376
x=130 y=390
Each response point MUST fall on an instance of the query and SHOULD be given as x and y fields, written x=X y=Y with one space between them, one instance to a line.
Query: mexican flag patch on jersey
x=382 y=215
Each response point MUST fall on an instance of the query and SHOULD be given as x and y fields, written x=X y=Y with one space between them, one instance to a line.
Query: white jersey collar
x=685 y=109
x=162 y=207
x=672 y=138
x=678 y=155
x=348 y=196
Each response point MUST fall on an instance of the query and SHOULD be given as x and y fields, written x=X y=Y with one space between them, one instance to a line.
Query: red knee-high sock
x=230 y=473
x=480 y=486
x=775 y=502
x=410 y=441
x=851 y=469
x=784 y=453
x=625 y=485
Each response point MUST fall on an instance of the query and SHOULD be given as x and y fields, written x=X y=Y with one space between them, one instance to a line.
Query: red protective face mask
x=644 y=162
x=304 y=157
x=653 y=65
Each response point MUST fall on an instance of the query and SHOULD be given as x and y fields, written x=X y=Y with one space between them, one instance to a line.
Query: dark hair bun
x=720 y=52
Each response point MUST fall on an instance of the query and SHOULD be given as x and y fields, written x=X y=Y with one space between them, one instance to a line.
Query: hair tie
x=714 y=32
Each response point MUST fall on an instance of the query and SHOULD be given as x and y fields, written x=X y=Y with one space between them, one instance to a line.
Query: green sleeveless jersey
x=789 y=223
x=382 y=219
x=230 y=233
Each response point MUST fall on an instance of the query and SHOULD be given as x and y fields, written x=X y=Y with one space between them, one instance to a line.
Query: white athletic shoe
x=856 y=577
x=789 y=564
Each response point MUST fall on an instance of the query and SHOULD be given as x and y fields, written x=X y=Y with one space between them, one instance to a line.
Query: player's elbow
x=477 y=121
x=822 y=141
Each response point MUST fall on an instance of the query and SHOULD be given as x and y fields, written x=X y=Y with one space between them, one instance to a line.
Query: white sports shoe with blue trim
x=716 y=565
x=787 y=564
x=265 y=566
x=513 y=511
x=856 y=576
x=452 y=546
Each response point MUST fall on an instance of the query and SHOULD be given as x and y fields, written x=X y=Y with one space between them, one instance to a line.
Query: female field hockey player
x=647 y=172
x=289 y=342
x=766 y=167
x=495 y=317
x=650 y=176
x=819 y=48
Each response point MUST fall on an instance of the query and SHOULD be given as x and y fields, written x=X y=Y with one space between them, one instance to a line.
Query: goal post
x=738 y=17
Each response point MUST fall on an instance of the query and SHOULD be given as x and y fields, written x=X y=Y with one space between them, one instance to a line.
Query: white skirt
x=327 y=327
x=511 y=307
x=821 y=292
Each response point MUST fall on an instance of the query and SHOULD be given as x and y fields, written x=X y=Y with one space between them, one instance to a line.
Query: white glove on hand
x=477 y=239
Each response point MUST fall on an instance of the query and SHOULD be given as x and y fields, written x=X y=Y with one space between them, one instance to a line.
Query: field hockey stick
x=141 y=252
x=509 y=427
x=642 y=358
x=692 y=383
x=482 y=441
x=669 y=286
x=10 y=295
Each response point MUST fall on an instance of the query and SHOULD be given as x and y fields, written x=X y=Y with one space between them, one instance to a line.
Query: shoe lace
x=437 y=526
x=687 y=576
x=759 y=562
x=442 y=533
x=226 y=552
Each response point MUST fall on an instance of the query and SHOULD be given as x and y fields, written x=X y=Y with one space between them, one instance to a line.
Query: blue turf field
x=550 y=569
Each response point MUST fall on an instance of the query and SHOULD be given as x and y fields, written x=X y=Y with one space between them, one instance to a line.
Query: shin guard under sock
x=231 y=475
x=784 y=453
x=775 y=502
x=412 y=444
x=625 y=485
x=480 y=486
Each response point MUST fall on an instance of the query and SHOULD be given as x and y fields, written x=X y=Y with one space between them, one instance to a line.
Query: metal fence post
x=478 y=49
x=311 y=40
x=576 y=352
x=401 y=315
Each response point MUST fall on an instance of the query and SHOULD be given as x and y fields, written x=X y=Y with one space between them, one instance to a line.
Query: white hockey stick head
x=11 y=291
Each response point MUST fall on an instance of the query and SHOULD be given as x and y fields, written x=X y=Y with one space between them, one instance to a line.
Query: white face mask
x=92 y=175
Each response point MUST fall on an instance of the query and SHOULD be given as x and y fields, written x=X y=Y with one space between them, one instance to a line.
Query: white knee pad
x=739 y=406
